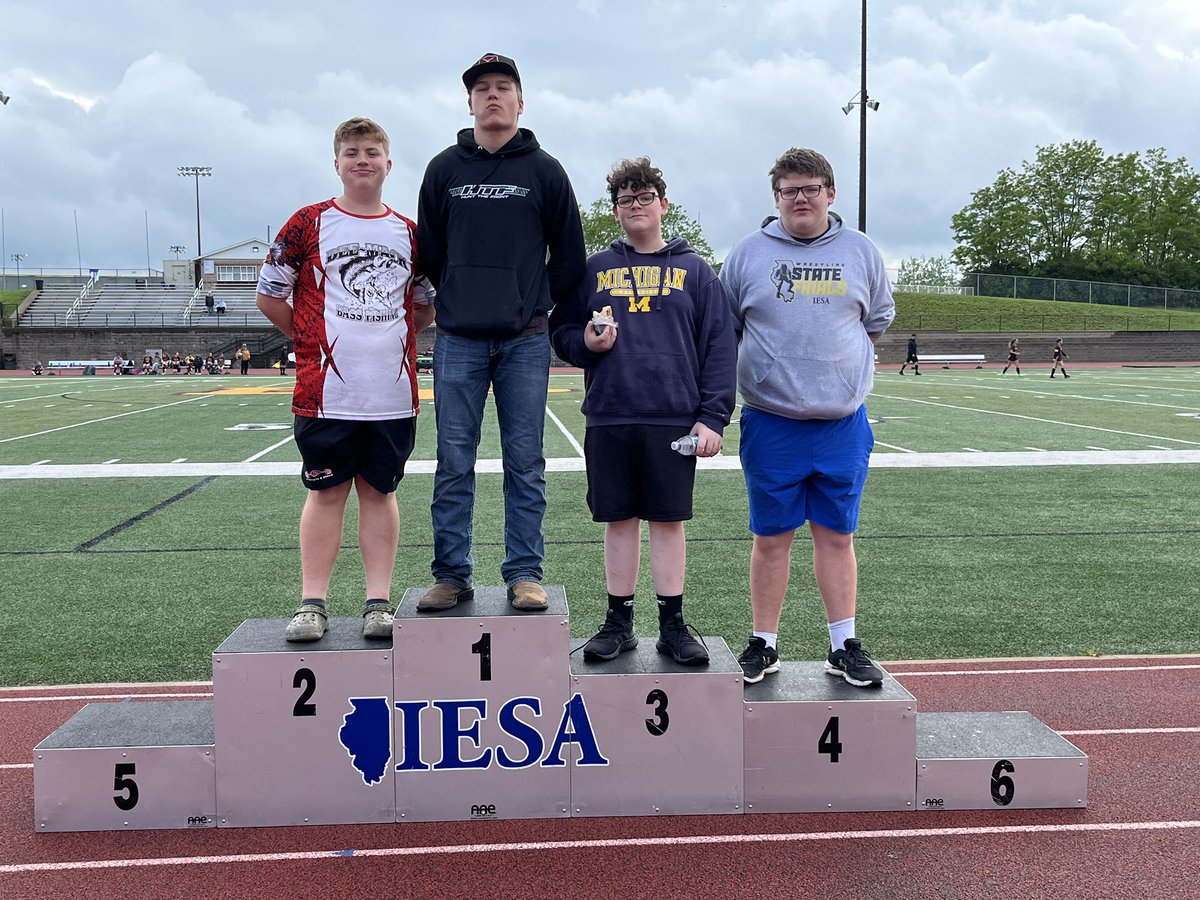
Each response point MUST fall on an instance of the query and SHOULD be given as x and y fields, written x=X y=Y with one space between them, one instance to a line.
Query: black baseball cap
x=491 y=62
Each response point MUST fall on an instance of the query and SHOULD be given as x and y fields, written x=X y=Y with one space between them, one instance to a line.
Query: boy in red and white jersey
x=348 y=265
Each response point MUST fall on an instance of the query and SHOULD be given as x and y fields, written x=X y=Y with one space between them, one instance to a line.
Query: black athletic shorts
x=336 y=450
x=632 y=473
x=911 y=358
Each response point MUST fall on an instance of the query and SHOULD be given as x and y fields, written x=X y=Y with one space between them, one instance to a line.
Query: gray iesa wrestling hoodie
x=803 y=313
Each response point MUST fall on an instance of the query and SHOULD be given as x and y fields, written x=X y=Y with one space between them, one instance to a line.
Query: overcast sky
x=109 y=98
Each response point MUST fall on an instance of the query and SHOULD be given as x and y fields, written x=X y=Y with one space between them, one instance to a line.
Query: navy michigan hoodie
x=675 y=358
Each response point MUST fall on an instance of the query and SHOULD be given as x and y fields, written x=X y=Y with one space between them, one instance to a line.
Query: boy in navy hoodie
x=653 y=333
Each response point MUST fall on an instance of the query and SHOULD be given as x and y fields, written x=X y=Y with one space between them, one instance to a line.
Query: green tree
x=600 y=228
x=1073 y=212
x=934 y=271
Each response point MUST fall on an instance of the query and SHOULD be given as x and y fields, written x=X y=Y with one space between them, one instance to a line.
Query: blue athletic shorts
x=804 y=470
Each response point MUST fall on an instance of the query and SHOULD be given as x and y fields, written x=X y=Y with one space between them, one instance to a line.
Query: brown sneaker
x=444 y=595
x=528 y=595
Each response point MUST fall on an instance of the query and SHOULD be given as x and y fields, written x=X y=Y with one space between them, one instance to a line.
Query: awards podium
x=488 y=712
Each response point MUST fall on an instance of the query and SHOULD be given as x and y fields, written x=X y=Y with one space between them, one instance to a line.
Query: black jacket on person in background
x=499 y=236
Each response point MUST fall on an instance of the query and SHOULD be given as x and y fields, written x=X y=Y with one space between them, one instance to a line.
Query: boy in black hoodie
x=502 y=241
x=654 y=335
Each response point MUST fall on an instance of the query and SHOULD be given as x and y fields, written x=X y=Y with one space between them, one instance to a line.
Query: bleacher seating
x=124 y=302
x=53 y=302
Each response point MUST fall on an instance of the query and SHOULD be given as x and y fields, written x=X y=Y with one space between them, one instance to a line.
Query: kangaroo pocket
x=814 y=388
x=644 y=384
x=483 y=301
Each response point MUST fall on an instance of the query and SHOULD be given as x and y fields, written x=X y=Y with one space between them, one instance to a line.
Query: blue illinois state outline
x=366 y=733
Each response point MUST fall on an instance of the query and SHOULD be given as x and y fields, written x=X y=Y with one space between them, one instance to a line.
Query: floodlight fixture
x=4 y=98
x=848 y=107
x=873 y=104
x=17 y=257
x=177 y=249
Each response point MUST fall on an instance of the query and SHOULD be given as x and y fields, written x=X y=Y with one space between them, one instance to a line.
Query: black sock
x=314 y=602
x=668 y=606
x=621 y=606
x=1018 y=370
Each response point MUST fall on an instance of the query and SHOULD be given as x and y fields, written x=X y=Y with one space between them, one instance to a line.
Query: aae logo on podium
x=366 y=735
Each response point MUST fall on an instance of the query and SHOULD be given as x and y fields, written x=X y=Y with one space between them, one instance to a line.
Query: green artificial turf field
x=995 y=523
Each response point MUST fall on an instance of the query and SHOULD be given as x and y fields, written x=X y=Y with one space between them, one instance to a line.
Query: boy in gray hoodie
x=810 y=298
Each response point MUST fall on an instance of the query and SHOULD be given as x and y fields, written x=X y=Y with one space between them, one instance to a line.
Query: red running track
x=1137 y=719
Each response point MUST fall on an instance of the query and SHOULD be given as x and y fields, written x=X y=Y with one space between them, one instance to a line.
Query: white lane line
x=1041 y=450
x=563 y=428
x=16 y=765
x=1132 y=731
x=1090 y=447
x=606 y=843
x=109 y=462
x=195 y=694
x=135 y=412
x=1059 y=669
x=993 y=412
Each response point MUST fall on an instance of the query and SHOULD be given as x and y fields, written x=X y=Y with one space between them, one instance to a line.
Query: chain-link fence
x=1027 y=287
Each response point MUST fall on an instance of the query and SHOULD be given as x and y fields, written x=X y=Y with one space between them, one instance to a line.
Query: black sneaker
x=855 y=665
x=758 y=660
x=614 y=638
x=675 y=641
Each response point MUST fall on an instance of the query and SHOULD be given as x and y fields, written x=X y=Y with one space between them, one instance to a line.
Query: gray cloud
x=109 y=99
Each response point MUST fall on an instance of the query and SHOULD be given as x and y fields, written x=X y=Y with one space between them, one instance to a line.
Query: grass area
x=955 y=312
x=10 y=300
x=138 y=579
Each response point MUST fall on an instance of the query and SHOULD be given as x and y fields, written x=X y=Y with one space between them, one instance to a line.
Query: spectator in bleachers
x=209 y=302
x=220 y=306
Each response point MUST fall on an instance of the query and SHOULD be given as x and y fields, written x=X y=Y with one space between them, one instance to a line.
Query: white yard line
x=993 y=412
x=563 y=428
x=904 y=460
x=136 y=412
x=263 y=453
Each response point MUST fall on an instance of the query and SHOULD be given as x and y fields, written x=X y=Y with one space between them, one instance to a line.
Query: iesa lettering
x=573 y=728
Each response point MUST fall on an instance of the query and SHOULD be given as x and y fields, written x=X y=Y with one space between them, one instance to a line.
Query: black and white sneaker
x=758 y=660
x=854 y=664
x=675 y=641
x=614 y=638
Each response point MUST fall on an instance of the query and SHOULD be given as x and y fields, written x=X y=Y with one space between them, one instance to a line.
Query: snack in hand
x=602 y=318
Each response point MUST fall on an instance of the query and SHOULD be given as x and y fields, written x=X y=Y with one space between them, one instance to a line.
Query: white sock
x=839 y=631
x=769 y=636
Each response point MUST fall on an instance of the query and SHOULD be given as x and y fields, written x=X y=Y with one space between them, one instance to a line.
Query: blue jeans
x=518 y=370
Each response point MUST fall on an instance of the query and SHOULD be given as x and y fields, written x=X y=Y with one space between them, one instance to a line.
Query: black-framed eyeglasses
x=644 y=199
x=808 y=190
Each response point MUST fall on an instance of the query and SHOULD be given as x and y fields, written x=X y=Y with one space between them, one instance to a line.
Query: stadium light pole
x=863 y=103
x=196 y=172
x=177 y=249
x=17 y=257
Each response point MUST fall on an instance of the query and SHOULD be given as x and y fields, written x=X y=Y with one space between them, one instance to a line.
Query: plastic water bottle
x=686 y=445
